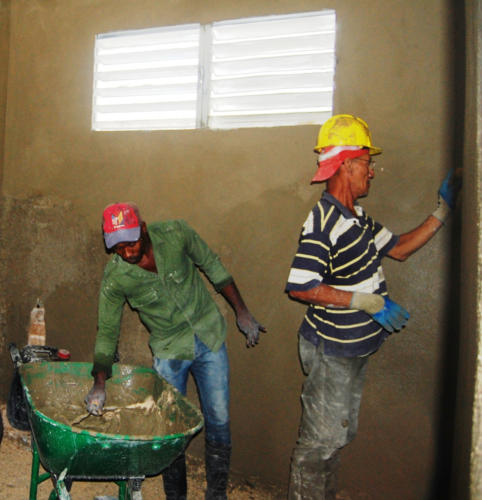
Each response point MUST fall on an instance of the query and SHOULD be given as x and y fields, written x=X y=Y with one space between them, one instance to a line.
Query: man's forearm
x=447 y=197
x=413 y=240
x=245 y=321
x=231 y=293
x=106 y=344
x=103 y=360
x=99 y=380
x=387 y=313
x=324 y=295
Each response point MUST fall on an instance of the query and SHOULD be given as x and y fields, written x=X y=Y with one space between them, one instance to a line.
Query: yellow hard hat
x=345 y=130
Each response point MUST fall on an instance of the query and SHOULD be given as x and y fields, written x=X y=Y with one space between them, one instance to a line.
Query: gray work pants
x=330 y=402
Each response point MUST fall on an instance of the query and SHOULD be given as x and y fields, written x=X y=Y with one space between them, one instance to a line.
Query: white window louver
x=256 y=72
x=271 y=71
x=146 y=79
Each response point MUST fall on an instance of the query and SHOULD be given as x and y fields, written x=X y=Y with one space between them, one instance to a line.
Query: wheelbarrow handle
x=36 y=353
x=15 y=354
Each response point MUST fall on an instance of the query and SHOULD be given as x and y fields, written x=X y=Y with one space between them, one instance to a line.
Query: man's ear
x=347 y=165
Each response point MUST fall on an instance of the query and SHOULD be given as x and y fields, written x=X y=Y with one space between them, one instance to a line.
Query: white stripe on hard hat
x=335 y=150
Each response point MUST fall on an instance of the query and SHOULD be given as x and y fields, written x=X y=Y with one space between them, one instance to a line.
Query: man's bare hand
x=95 y=400
x=248 y=325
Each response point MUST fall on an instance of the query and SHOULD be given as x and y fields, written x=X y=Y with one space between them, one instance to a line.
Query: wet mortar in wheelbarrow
x=145 y=426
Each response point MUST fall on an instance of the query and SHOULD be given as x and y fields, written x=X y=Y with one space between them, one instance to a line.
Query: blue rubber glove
x=450 y=188
x=392 y=317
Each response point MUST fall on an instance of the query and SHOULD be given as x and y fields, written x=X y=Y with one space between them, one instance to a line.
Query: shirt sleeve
x=203 y=257
x=311 y=261
x=385 y=240
x=111 y=303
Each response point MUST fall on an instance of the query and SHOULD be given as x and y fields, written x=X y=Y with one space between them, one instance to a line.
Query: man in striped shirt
x=337 y=271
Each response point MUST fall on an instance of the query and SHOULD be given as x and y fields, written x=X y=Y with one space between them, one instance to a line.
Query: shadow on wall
x=445 y=423
x=449 y=370
x=47 y=253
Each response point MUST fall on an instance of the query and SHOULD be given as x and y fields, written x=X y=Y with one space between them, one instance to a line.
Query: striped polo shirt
x=345 y=252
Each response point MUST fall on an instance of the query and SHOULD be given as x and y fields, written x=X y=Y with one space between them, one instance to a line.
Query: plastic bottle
x=36 y=329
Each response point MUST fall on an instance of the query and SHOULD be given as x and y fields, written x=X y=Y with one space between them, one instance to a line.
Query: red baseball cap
x=121 y=224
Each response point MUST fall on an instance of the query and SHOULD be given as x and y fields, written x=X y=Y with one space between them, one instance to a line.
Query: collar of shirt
x=344 y=210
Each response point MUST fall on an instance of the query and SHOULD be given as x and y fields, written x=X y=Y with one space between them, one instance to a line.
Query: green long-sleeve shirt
x=173 y=304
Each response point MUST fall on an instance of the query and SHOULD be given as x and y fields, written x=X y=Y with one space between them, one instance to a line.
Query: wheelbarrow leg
x=122 y=490
x=34 y=472
x=60 y=491
x=35 y=477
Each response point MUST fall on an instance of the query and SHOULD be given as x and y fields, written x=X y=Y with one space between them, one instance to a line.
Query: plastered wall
x=4 y=45
x=468 y=421
x=247 y=193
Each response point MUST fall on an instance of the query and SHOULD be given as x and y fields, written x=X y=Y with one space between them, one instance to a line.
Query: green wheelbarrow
x=146 y=425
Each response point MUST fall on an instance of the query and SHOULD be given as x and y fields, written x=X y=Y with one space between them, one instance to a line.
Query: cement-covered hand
x=384 y=311
x=95 y=400
x=248 y=325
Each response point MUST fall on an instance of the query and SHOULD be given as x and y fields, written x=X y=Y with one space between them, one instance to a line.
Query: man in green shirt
x=156 y=269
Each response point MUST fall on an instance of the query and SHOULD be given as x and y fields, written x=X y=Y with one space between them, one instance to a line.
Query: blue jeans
x=211 y=374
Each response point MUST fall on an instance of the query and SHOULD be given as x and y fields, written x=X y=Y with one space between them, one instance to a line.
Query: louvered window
x=146 y=79
x=256 y=72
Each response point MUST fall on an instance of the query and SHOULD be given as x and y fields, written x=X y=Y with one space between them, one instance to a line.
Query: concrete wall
x=247 y=192
x=4 y=46
x=468 y=467
x=4 y=52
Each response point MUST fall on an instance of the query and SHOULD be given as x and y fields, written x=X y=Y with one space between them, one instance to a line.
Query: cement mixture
x=135 y=408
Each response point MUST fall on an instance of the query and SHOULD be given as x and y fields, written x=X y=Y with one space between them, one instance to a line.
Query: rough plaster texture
x=45 y=262
x=4 y=46
x=4 y=52
x=247 y=192
x=472 y=298
x=467 y=450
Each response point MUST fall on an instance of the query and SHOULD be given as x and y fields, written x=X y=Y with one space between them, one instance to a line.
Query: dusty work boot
x=312 y=477
x=174 y=478
x=217 y=470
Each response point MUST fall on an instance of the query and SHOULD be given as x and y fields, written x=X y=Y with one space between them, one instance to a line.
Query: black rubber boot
x=174 y=478
x=217 y=470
